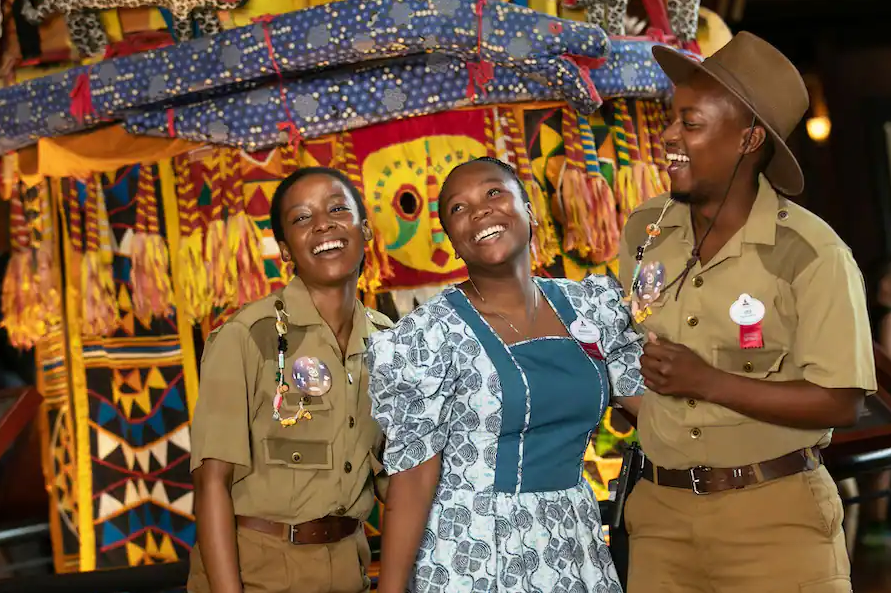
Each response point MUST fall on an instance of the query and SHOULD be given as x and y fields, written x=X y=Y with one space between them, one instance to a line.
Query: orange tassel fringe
x=245 y=270
x=149 y=276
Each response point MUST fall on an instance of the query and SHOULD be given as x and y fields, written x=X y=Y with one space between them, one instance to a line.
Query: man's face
x=705 y=139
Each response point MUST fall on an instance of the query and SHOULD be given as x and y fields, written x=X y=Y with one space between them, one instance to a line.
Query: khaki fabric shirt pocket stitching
x=754 y=363
x=320 y=403
x=839 y=584
x=299 y=454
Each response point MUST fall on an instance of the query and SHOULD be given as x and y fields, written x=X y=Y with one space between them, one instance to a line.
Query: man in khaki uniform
x=759 y=344
x=300 y=490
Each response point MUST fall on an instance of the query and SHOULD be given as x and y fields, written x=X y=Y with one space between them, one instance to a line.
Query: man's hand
x=673 y=369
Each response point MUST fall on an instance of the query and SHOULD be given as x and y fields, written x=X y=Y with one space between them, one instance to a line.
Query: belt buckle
x=292 y=530
x=695 y=480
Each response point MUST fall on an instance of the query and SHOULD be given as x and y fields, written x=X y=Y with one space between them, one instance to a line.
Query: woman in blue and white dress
x=487 y=395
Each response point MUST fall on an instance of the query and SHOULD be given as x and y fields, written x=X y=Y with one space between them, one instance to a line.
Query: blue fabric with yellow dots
x=329 y=36
x=418 y=85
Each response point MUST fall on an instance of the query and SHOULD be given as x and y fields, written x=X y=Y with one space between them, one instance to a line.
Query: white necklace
x=505 y=319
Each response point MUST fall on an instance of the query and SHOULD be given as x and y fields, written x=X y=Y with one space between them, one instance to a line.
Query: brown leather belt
x=326 y=530
x=708 y=480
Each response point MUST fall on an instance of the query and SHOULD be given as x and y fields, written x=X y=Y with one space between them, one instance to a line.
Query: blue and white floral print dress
x=512 y=512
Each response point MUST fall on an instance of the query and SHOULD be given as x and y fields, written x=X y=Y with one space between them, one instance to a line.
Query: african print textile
x=402 y=166
x=135 y=497
x=335 y=35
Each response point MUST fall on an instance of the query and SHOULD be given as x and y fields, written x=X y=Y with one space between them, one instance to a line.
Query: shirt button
x=692 y=321
x=748 y=367
x=783 y=214
x=347 y=467
x=296 y=457
x=691 y=403
x=697 y=281
x=695 y=433
x=340 y=511
x=352 y=422
x=350 y=378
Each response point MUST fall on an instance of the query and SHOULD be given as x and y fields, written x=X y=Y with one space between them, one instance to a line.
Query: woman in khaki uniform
x=284 y=450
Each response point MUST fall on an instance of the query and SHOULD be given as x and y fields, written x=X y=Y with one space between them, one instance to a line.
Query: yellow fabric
x=815 y=326
x=81 y=403
x=245 y=15
x=112 y=24
x=105 y=149
x=183 y=325
x=713 y=33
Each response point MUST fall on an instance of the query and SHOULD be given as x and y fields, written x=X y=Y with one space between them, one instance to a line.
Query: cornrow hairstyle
x=275 y=206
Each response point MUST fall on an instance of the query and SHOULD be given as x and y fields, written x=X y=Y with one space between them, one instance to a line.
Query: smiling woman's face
x=484 y=214
x=323 y=233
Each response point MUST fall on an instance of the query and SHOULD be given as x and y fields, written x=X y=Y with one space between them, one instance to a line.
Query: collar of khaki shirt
x=302 y=312
x=759 y=228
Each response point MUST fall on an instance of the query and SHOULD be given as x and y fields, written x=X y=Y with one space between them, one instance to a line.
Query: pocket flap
x=318 y=403
x=299 y=454
x=753 y=362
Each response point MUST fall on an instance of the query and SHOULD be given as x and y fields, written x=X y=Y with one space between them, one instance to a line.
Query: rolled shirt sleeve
x=221 y=425
x=833 y=343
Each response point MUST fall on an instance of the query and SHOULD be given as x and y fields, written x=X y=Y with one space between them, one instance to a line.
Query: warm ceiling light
x=818 y=128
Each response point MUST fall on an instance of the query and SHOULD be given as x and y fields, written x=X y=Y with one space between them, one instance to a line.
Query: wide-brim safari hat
x=766 y=81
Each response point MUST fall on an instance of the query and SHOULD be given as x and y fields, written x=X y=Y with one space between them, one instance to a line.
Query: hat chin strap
x=694 y=255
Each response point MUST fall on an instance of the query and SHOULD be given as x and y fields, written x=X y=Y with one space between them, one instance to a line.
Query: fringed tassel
x=20 y=319
x=626 y=189
x=100 y=307
x=545 y=245
x=655 y=128
x=653 y=181
x=216 y=247
x=606 y=224
x=149 y=276
x=246 y=274
x=191 y=270
x=577 y=192
x=377 y=263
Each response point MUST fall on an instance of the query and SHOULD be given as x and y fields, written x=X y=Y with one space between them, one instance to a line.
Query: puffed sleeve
x=833 y=343
x=221 y=425
x=622 y=345
x=410 y=385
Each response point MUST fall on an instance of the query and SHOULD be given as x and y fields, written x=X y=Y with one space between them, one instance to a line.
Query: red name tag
x=592 y=349
x=750 y=336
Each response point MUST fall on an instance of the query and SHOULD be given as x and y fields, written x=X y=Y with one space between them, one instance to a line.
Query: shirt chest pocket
x=298 y=454
x=754 y=363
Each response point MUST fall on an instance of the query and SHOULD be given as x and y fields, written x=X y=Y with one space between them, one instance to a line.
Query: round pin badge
x=311 y=376
x=747 y=310
x=584 y=331
x=650 y=282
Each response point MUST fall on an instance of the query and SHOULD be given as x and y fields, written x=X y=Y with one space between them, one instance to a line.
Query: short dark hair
x=275 y=206
x=504 y=167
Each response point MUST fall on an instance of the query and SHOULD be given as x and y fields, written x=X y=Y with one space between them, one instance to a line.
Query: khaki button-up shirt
x=316 y=467
x=815 y=327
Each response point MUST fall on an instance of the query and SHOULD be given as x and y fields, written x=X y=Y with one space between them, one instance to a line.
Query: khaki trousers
x=783 y=536
x=269 y=564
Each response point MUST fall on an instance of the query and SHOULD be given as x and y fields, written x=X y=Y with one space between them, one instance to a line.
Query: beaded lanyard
x=654 y=229
x=281 y=328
